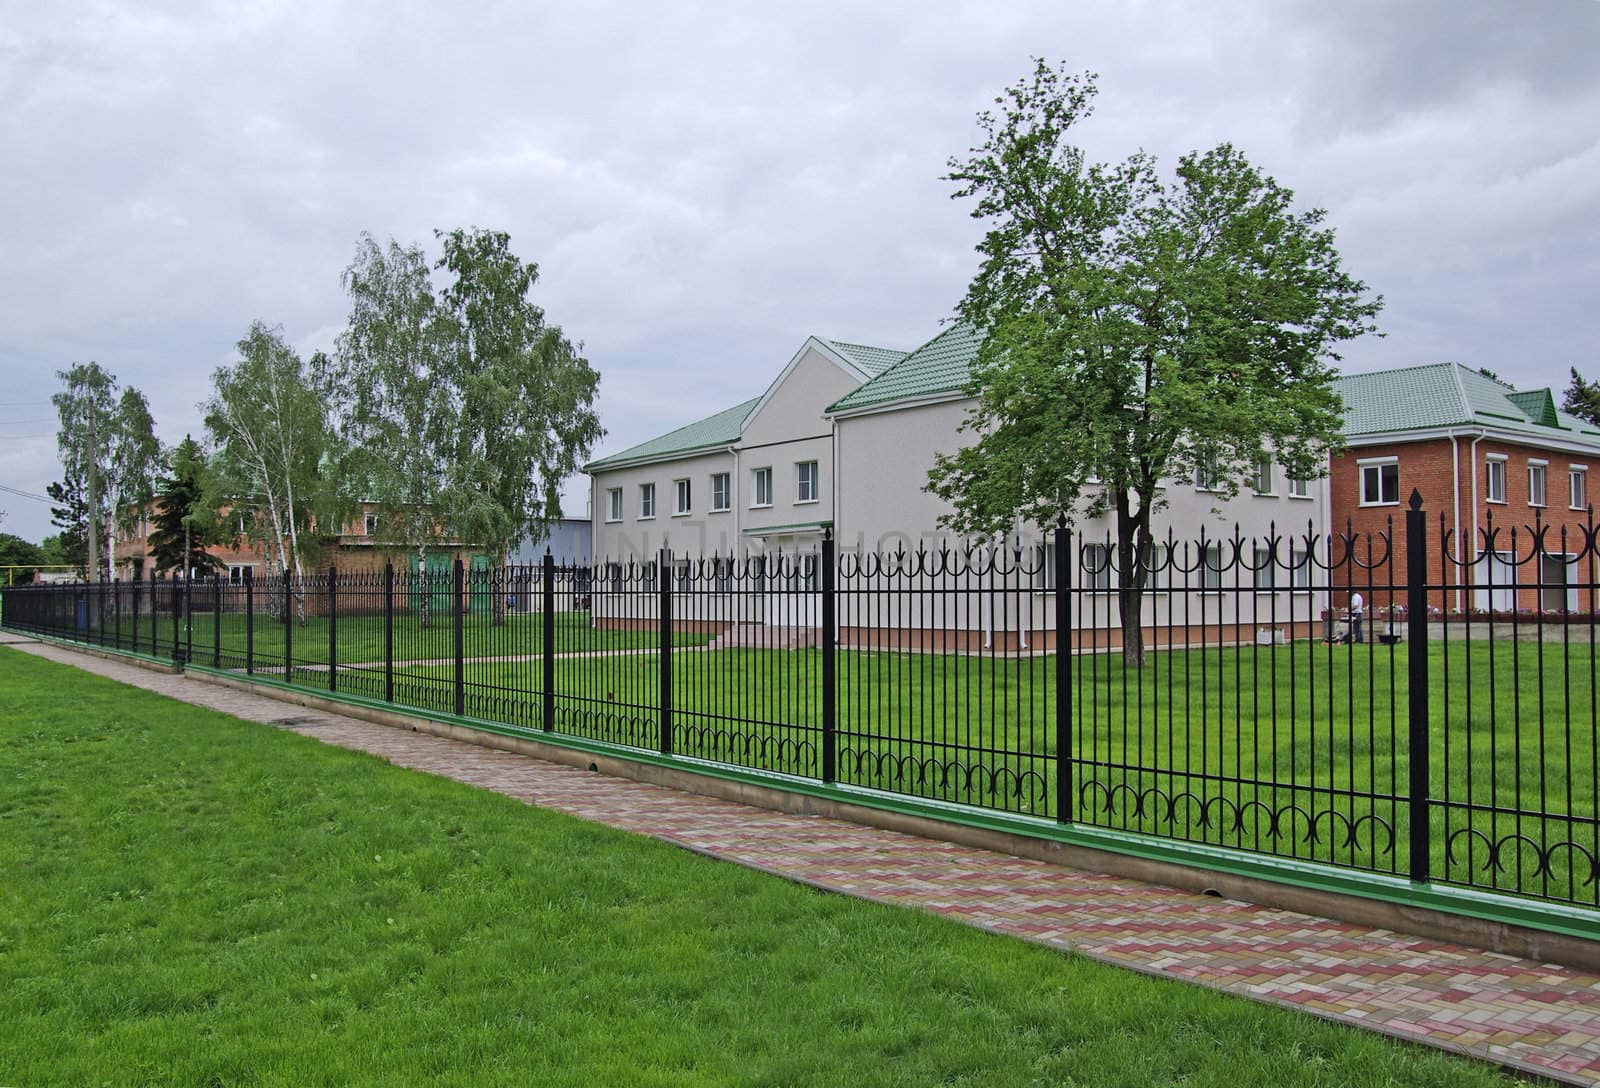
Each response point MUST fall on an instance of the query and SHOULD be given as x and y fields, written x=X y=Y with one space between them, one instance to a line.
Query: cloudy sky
x=705 y=186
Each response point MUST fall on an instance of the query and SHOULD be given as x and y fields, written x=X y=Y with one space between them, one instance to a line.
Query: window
x=1536 y=482
x=1206 y=475
x=614 y=576
x=685 y=574
x=1266 y=571
x=647 y=501
x=1495 y=486
x=1298 y=488
x=238 y=575
x=614 y=504
x=369 y=524
x=761 y=487
x=722 y=574
x=1262 y=483
x=721 y=492
x=1096 y=568
x=1299 y=570
x=681 y=487
x=1157 y=564
x=649 y=577
x=1211 y=569
x=1380 y=482
x=805 y=484
x=1577 y=486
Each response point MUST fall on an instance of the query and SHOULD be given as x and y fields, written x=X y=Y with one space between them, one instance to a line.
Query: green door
x=478 y=582
x=436 y=582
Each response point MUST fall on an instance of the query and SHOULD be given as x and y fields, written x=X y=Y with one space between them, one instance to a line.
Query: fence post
x=333 y=628
x=135 y=583
x=249 y=622
x=830 y=709
x=1417 y=685
x=288 y=630
x=1063 y=625
x=216 y=622
x=116 y=606
x=188 y=615
x=388 y=632
x=461 y=644
x=175 y=604
x=548 y=591
x=664 y=587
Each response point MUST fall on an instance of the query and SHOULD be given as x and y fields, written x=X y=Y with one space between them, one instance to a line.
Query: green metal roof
x=722 y=429
x=942 y=365
x=1451 y=395
x=870 y=360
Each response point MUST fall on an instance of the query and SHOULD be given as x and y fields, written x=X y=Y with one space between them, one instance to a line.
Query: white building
x=843 y=439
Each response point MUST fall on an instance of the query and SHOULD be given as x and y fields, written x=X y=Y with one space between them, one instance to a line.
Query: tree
x=1582 y=398
x=135 y=457
x=1135 y=330
x=464 y=412
x=269 y=423
x=70 y=514
x=18 y=553
x=186 y=521
x=526 y=417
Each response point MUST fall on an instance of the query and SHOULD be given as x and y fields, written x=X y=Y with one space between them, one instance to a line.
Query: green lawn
x=1205 y=745
x=193 y=900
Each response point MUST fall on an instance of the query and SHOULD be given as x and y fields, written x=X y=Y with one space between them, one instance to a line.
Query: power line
x=25 y=494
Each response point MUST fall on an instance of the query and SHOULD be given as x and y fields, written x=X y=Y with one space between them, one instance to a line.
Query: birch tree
x=86 y=407
x=269 y=423
x=135 y=459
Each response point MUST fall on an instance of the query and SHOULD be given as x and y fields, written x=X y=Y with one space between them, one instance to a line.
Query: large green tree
x=269 y=423
x=463 y=411
x=134 y=460
x=186 y=521
x=20 y=558
x=1135 y=329
x=69 y=512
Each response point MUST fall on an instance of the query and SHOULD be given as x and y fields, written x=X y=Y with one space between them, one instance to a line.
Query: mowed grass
x=1299 y=750
x=194 y=900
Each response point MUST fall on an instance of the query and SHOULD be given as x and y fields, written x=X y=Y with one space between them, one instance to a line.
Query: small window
x=1298 y=488
x=1157 y=564
x=647 y=501
x=761 y=487
x=1495 y=485
x=1207 y=477
x=1266 y=571
x=722 y=574
x=239 y=574
x=685 y=575
x=1380 y=483
x=1211 y=569
x=649 y=577
x=614 y=504
x=721 y=492
x=805 y=486
x=1262 y=482
x=1096 y=568
x=369 y=524
x=1578 y=487
x=1299 y=570
x=681 y=488
x=614 y=576
x=1536 y=483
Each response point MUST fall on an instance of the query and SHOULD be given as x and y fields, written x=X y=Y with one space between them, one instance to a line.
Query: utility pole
x=93 y=520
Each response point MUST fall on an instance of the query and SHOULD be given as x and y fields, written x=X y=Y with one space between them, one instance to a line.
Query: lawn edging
x=1547 y=932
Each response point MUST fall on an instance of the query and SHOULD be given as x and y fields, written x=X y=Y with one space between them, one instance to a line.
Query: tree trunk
x=1133 y=533
x=425 y=596
x=498 y=592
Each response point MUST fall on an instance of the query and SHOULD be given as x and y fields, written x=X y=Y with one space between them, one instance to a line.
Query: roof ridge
x=748 y=406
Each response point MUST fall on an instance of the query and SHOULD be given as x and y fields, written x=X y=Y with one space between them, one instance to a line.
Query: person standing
x=1358 y=608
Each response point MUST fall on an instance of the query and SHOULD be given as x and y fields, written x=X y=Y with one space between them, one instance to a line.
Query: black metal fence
x=1442 y=729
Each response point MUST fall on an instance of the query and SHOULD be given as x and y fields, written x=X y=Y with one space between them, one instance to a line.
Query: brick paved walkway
x=1527 y=1015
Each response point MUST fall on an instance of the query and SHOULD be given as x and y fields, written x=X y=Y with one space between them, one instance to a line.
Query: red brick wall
x=1426 y=466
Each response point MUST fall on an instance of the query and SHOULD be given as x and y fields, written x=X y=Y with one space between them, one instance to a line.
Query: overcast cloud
x=703 y=186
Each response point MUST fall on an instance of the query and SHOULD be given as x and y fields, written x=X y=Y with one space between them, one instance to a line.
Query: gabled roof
x=722 y=429
x=1437 y=395
x=872 y=361
x=941 y=366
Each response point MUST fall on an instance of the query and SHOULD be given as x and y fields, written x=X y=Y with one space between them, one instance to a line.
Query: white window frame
x=1095 y=568
x=1266 y=467
x=800 y=479
x=760 y=481
x=613 y=504
x=1494 y=470
x=1578 y=487
x=1211 y=573
x=1299 y=489
x=369 y=524
x=1207 y=476
x=1378 y=464
x=1299 y=570
x=647 y=502
x=236 y=573
x=722 y=481
x=1540 y=471
x=1158 y=572
x=682 y=497
x=1265 y=576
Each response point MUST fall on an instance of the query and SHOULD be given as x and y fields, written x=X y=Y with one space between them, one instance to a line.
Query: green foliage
x=69 y=512
x=1135 y=329
x=16 y=552
x=186 y=520
x=1582 y=398
x=276 y=453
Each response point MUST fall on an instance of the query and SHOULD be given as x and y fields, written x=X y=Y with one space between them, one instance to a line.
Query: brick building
x=1504 y=480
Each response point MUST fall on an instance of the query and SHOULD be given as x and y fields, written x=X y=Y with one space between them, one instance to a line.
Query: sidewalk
x=1530 y=1016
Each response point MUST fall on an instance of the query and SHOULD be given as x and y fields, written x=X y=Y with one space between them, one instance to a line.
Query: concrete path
x=1526 y=1015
